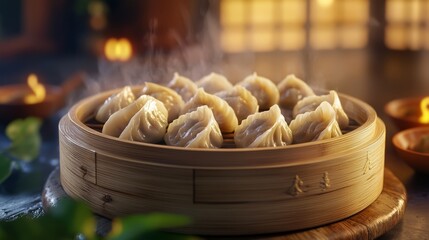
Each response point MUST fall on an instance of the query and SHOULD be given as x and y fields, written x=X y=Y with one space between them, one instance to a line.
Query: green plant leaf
x=141 y=226
x=25 y=137
x=74 y=217
x=5 y=168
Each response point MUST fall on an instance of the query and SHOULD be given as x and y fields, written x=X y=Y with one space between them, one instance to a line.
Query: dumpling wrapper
x=292 y=89
x=241 y=100
x=214 y=83
x=315 y=125
x=149 y=124
x=185 y=87
x=310 y=103
x=223 y=113
x=196 y=129
x=263 y=89
x=120 y=119
x=114 y=103
x=264 y=129
x=172 y=101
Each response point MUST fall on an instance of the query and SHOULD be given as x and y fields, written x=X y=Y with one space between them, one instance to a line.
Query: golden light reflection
x=232 y=12
x=233 y=40
x=293 y=12
x=323 y=37
x=292 y=39
x=118 y=49
x=325 y=3
x=38 y=90
x=405 y=24
x=270 y=25
x=262 y=39
x=424 y=107
x=353 y=37
x=395 y=37
x=261 y=12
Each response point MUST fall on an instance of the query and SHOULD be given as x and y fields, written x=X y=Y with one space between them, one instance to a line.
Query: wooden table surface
x=375 y=78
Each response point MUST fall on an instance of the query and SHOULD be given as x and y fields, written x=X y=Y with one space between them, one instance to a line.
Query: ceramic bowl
x=405 y=140
x=405 y=112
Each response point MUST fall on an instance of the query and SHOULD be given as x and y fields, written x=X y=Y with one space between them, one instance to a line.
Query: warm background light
x=424 y=107
x=118 y=49
x=406 y=24
x=288 y=25
x=38 y=93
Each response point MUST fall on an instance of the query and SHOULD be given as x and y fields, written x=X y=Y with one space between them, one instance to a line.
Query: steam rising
x=156 y=65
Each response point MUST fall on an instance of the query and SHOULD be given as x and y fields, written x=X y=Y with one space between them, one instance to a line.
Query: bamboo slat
x=227 y=191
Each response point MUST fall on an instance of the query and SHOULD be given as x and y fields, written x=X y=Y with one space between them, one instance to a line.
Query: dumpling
x=310 y=103
x=241 y=100
x=172 y=101
x=292 y=89
x=149 y=124
x=196 y=129
x=183 y=86
x=264 y=129
x=115 y=103
x=316 y=125
x=214 y=83
x=120 y=119
x=223 y=113
x=264 y=90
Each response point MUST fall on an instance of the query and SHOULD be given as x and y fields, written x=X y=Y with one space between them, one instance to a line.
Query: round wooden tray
x=375 y=220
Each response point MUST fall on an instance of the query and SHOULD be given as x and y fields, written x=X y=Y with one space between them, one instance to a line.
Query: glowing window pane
x=353 y=36
x=323 y=37
x=261 y=12
x=233 y=40
x=355 y=11
x=292 y=39
x=293 y=11
x=323 y=11
x=395 y=37
x=415 y=11
x=395 y=10
x=415 y=37
x=232 y=12
x=262 y=39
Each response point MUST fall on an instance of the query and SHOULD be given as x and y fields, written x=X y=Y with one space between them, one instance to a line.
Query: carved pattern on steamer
x=296 y=188
x=325 y=183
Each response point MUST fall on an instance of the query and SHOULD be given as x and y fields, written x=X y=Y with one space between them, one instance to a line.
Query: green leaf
x=74 y=217
x=5 y=168
x=140 y=226
x=25 y=137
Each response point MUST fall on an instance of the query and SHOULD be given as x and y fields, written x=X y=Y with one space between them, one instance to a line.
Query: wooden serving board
x=375 y=220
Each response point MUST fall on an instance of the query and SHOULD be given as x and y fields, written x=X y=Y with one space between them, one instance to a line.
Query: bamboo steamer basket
x=226 y=191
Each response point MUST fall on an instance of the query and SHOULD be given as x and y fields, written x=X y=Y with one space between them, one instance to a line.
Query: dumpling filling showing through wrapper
x=196 y=129
x=264 y=129
x=315 y=125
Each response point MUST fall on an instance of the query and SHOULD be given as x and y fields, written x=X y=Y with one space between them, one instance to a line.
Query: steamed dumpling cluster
x=199 y=114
